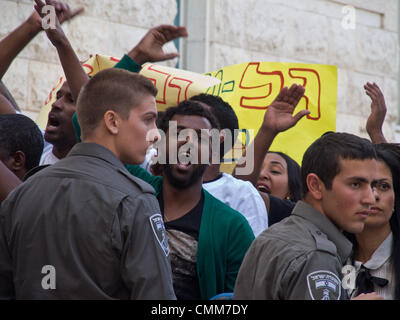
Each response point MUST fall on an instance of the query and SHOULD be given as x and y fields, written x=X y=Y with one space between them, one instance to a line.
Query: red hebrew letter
x=161 y=85
x=88 y=66
x=253 y=78
x=182 y=85
x=312 y=83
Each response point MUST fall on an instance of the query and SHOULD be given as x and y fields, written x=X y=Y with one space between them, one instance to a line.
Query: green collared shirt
x=300 y=258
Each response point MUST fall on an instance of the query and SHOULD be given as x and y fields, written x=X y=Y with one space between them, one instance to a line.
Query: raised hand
x=279 y=116
x=378 y=113
x=63 y=13
x=149 y=49
x=74 y=73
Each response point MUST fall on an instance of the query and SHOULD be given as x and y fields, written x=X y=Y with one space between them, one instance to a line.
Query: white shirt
x=381 y=266
x=48 y=156
x=243 y=197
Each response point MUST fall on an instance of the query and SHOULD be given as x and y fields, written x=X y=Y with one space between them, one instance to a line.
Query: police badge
x=157 y=224
x=324 y=285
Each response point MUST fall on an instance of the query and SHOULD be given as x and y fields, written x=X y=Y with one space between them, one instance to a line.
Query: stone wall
x=311 y=31
x=106 y=27
x=226 y=32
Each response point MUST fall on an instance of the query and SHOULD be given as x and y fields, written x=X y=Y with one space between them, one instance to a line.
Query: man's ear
x=222 y=136
x=112 y=122
x=315 y=186
x=18 y=160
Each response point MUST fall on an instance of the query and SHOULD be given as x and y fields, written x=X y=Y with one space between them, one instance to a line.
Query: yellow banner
x=251 y=87
x=175 y=85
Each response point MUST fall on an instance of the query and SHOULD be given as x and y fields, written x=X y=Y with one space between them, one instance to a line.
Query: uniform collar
x=343 y=245
x=97 y=151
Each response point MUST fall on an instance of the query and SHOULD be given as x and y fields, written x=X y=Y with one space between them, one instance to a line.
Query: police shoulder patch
x=324 y=285
x=157 y=224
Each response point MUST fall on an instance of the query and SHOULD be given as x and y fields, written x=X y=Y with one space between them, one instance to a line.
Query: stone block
x=42 y=77
x=358 y=103
x=16 y=81
x=222 y=56
x=377 y=51
x=8 y=17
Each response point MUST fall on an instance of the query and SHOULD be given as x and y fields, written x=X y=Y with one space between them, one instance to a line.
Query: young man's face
x=132 y=142
x=59 y=129
x=183 y=175
x=348 y=202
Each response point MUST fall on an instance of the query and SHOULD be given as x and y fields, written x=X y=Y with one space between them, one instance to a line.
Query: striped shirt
x=381 y=266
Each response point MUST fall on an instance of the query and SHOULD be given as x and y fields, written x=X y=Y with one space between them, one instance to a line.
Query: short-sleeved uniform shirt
x=300 y=258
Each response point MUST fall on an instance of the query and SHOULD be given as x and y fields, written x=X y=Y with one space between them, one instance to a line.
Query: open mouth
x=263 y=188
x=184 y=161
x=53 y=122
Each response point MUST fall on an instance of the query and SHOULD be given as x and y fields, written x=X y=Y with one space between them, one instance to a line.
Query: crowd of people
x=86 y=213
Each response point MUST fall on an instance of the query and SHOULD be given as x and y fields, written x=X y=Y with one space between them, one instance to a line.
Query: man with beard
x=198 y=225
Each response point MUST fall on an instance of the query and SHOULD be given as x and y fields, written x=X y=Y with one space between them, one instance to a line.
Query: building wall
x=308 y=31
x=226 y=32
x=106 y=27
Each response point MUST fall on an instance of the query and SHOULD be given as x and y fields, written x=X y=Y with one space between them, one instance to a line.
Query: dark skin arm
x=278 y=118
x=5 y=106
x=73 y=70
x=149 y=48
x=13 y=43
x=378 y=113
x=4 y=91
x=8 y=181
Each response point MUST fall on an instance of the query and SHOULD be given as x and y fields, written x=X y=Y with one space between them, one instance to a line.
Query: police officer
x=85 y=228
x=302 y=257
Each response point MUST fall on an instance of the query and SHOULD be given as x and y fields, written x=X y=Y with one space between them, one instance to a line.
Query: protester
x=376 y=250
x=378 y=113
x=21 y=143
x=280 y=176
x=207 y=239
x=86 y=218
x=280 y=179
x=10 y=47
x=302 y=256
x=240 y=195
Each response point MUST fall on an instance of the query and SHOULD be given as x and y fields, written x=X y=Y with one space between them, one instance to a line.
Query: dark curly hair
x=188 y=108
x=224 y=113
x=20 y=133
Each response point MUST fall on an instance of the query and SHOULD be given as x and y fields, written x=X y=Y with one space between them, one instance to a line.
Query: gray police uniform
x=300 y=258
x=84 y=228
